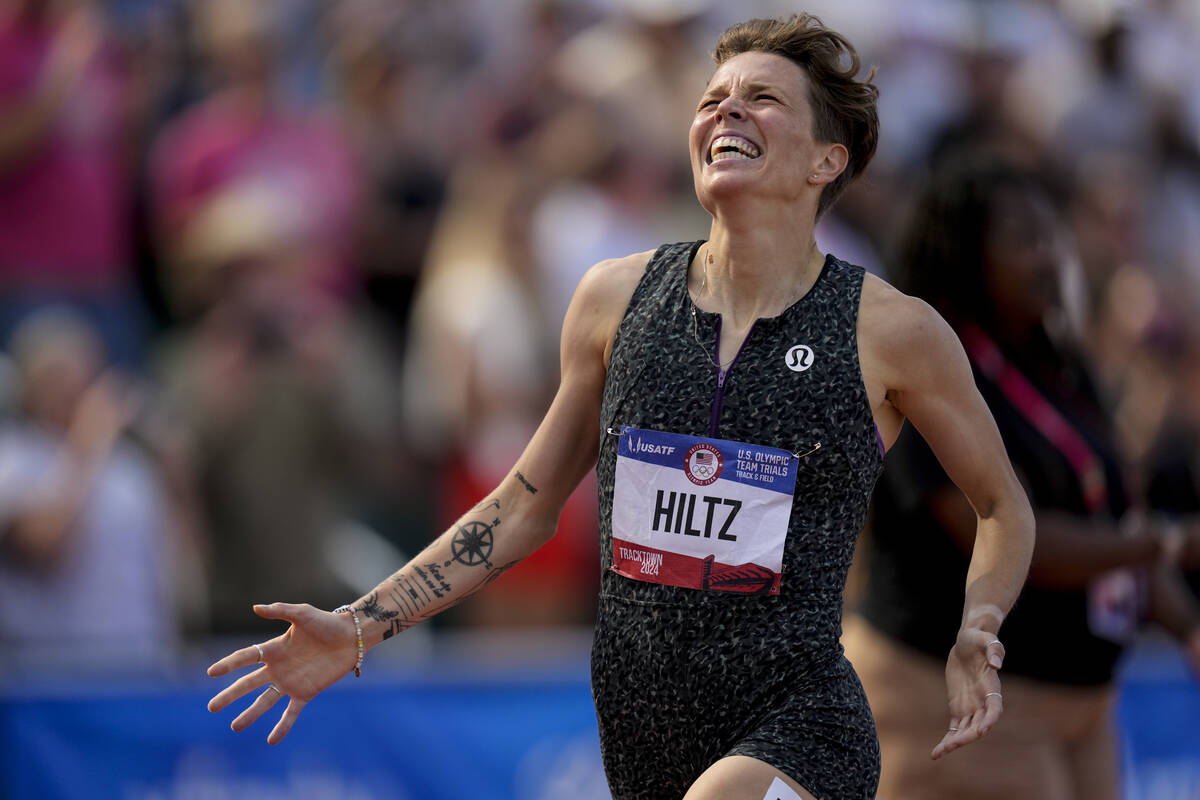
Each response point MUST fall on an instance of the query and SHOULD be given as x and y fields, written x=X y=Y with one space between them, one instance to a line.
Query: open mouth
x=732 y=147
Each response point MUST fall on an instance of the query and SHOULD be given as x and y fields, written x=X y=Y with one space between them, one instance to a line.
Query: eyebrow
x=751 y=88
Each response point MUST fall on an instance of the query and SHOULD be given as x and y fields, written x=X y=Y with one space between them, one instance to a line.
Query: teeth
x=724 y=147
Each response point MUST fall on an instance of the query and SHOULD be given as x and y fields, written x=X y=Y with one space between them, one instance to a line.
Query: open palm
x=315 y=652
x=973 y=686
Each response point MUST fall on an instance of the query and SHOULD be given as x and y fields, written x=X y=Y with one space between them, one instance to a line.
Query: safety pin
x=613 y=432
x=809 y=452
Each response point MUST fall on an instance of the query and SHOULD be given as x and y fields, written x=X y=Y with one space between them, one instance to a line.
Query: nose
x=730 y=107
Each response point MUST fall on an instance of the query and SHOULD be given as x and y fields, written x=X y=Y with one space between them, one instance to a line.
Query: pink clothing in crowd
x=63 y=210
x=296 y=165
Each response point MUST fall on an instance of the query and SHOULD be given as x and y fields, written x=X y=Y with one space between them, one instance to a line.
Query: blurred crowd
x=281 y=282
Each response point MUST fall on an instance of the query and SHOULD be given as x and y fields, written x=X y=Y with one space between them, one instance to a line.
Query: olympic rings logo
x=703 y=463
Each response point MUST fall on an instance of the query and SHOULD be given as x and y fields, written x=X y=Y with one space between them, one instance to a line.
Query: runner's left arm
x=933 y=388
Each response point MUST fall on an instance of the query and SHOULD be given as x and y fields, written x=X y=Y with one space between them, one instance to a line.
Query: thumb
x=288 y=612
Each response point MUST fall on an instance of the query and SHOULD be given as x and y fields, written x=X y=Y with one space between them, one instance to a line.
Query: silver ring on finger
x=271 y=686
x=952 y=729
x=261 y=658
x=993 y=694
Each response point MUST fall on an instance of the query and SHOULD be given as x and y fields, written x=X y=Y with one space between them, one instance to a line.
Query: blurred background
x=281 y=284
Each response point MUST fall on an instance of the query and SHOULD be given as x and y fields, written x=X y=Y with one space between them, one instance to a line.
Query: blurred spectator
x=1174 y=480
x=277 y=383
x=985 y=249
x=400 y=155
x=64 y=163
x=1134 y=170
x=286 y=395
x=1173 y=458
x=620 y=183
x=87 y=520
x=644 y=62
x=618 y=204
x=243 y=150
x=480 y=375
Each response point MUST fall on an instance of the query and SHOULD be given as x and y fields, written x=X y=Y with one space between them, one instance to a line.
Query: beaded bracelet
x=358 y=631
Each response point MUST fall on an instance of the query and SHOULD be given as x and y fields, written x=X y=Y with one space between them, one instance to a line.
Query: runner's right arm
x=509 y=524
x=522 y=513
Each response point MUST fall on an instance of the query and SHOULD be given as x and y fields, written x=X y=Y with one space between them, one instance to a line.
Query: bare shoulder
x=903 y=337
x=600 y=301
x=611 y=282
x=898 y=322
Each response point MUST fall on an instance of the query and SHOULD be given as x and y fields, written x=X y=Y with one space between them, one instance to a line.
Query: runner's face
x=753 y=131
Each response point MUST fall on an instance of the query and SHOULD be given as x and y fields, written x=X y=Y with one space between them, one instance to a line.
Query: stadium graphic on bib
x=701 y=513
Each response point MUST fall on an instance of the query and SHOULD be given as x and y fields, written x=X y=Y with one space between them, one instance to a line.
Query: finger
x=994 y=708
x=269 y=697
x=245 y=657
x=944 y=746
x=288 y=612
x=285 y=722
x=995 y=653
x=950 y=739
x=939 y=749
x=972 y=731
x=242 y=686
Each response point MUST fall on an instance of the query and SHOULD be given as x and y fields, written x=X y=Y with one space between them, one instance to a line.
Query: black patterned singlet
x=683 y=677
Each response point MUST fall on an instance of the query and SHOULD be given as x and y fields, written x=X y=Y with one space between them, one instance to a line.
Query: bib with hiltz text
x=701 y=513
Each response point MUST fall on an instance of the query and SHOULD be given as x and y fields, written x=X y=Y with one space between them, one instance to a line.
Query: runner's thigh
x=743 y=778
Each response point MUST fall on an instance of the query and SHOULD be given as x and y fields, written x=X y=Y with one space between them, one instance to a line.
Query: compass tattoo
x=472 y=544
x=422 y=590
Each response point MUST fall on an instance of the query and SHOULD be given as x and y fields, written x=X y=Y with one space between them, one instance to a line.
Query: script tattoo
x=435 y=573
x=532 y=489
x=417 y=600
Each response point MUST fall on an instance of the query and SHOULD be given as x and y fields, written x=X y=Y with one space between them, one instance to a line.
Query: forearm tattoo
x=374 y=610
x=529 y=486
x=423 y=590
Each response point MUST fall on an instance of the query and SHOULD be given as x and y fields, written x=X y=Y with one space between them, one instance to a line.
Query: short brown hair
x=843 y=106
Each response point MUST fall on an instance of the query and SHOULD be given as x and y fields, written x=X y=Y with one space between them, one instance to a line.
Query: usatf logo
x=636 y=445
x=799 y=358
x=703 y=464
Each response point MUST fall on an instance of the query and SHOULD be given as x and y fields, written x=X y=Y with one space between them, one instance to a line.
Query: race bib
x=701 y=513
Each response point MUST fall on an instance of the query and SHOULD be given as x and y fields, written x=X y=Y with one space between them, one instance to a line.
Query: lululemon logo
x=799 y=358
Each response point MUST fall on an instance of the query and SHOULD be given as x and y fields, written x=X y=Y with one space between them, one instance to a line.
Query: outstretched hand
x=973 y=685
x=315 y=652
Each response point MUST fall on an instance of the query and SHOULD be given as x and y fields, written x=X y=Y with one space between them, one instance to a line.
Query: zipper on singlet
x=714 y=419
